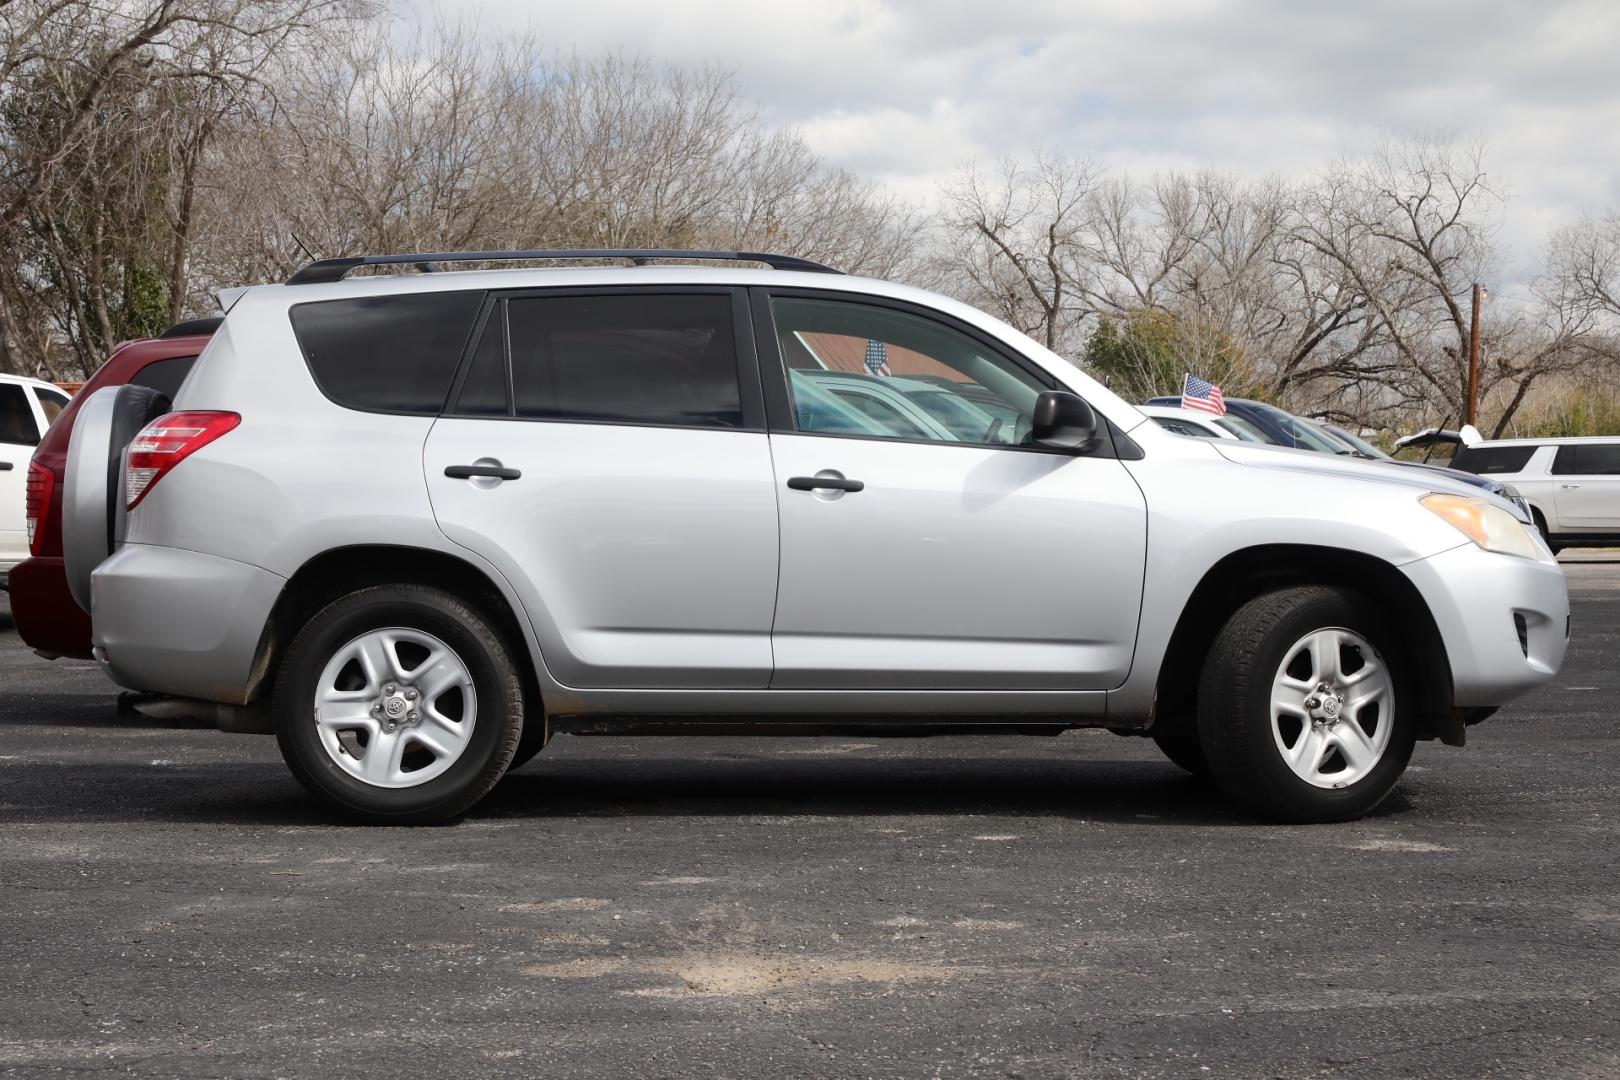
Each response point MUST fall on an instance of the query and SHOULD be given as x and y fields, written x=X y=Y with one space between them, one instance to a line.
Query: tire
x=1289 y=643
x=536 y=734
x=92 y=486
x=1541 y=524
x=1184 y=749
x=449 y=744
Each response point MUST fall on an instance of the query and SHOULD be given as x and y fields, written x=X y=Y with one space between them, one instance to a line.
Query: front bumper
x=179 y=622
x=1504 y=621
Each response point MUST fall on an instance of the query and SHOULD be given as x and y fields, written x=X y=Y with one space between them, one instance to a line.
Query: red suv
x=44 y=610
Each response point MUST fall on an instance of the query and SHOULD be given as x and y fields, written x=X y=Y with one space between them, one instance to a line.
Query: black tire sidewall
x=496 y=728
x=1243 y=755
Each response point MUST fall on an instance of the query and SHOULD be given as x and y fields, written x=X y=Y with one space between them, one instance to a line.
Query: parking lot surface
x=172 y=904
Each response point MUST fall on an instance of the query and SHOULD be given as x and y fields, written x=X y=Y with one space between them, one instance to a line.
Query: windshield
x=1359 y=443
x=1304 y=436
x=1241 y=428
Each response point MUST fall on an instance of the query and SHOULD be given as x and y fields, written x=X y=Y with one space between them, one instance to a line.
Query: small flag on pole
x=1204 y=396
x=877 y=358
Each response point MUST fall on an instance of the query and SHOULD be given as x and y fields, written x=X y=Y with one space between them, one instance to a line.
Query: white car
x=27 y=407
x=1572 y=485
x=1202 y=425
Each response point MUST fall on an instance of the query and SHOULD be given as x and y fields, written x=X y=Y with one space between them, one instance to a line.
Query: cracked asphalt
x=172 y=904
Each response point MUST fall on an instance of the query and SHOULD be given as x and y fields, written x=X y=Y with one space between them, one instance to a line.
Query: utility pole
x=1471 y=410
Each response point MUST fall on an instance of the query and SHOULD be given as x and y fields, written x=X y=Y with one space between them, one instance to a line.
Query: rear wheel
x=1305 y=707
x=398 y=704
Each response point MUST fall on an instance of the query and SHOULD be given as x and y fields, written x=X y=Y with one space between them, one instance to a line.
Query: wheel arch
x=338 y=571
x=1244 y=574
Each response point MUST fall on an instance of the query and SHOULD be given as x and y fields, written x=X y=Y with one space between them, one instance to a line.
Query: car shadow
x=259 y=793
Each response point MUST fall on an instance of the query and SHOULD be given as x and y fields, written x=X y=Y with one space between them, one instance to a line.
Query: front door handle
x=824 y=483
x=1569 y=487
x=493 y=472
x=5 y=466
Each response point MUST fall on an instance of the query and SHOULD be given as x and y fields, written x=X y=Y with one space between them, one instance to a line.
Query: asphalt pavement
x=172 y=904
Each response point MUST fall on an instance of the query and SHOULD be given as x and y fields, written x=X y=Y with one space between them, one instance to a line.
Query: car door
x=942 y=562
x=606 y=450
x=1586 y=486
x=19 y=434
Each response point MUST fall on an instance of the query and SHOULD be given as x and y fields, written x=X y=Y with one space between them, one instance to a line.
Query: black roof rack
x=324 y=270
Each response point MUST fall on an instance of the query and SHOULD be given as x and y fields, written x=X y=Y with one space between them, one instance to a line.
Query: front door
x=602 y=451
x=965 y=558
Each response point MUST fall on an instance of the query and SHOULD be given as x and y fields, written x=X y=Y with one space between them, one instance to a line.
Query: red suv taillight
x=41 y=482
x=165 y=443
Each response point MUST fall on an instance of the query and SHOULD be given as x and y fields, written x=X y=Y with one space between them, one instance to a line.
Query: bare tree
x=450 y=139
x=109 y=107
x=1018 y=243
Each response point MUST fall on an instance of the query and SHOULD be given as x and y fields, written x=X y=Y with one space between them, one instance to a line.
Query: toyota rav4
x=414 y=524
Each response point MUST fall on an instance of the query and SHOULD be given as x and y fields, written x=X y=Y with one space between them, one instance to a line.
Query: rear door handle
x=1569 y=487
x=824 y=483
x=493 y=472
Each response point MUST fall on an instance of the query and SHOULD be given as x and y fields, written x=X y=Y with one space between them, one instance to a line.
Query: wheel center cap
x=1331 y=707
x=394 y=707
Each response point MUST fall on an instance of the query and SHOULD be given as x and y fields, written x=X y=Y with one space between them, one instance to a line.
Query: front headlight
x=1491 y=527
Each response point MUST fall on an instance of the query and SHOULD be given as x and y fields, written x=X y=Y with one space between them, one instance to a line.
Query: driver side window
x=859 y=369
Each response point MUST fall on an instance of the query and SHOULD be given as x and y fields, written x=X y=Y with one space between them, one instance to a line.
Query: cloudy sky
x=906 y=90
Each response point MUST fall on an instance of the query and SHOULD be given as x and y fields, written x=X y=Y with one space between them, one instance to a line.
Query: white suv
x=27 y=407
x=416 y=523
x=1572 y=485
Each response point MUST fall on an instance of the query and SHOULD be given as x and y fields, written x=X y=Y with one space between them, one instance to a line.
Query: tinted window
x=1493 y=459
x=484 y=390
x=907 y=376
x=1588 y=459
x=633 y=358
x=386 y=353
x=165 y=376
x=51 y=404
x=16 y=416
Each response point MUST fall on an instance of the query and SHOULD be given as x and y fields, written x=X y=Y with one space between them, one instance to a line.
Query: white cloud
x=904 y=89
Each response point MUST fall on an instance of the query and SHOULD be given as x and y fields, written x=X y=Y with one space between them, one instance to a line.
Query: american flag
x=877 y=358
x=1201 y=395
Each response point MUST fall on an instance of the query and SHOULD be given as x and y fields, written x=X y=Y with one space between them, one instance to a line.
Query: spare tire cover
x=92 y=492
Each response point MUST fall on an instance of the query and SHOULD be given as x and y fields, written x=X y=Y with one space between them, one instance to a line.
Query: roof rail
x=325 y=270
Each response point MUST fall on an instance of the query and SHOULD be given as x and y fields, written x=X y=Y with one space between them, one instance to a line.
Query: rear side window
x=165 y=376
x=1482 y=460
x=1588 y=459
x=17 y=416
x=387 y=353
x=636 y=358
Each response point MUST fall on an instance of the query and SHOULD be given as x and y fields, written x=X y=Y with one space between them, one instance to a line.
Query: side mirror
x=1062 y=421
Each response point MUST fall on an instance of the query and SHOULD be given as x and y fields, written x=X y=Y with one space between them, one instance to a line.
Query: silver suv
x=416 y=523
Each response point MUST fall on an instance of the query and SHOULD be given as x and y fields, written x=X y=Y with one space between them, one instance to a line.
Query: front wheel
x=1306 y=709
x=398 y=704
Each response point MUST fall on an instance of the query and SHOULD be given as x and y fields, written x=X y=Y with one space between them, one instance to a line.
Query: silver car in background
x=414 y=524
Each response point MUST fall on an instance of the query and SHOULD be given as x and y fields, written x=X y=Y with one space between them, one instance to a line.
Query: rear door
x=606 y=450
x=940 y=562
x=19 y=434
x=1586 y=486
